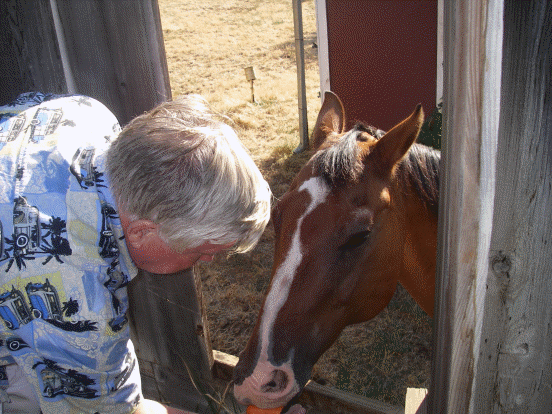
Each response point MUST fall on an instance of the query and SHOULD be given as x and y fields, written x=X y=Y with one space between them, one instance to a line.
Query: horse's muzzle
x=267 y=387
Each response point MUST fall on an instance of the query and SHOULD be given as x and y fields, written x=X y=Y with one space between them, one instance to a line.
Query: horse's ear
x=393 y=146
x=331 y=118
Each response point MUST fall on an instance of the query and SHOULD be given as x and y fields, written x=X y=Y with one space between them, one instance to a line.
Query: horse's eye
x=355 y=240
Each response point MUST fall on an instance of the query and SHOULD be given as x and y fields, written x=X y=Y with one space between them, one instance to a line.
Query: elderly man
x=82 y=207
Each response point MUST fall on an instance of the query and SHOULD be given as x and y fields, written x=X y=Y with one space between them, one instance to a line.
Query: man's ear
x=140 y=233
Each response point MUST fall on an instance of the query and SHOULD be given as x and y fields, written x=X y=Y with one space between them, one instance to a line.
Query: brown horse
x=358 y=218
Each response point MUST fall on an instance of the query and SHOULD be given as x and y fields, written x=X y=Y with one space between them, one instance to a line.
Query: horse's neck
x=418 y=270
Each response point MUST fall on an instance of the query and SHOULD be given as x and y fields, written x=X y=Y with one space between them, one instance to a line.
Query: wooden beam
x=493 y=342
x=29 y=58
x=415 y=401
x=112 y=49
x=170 y=335
x=116 y=53
x=472 y=67
x=514 y=374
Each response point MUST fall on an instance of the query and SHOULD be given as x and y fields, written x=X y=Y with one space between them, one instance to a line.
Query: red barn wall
x=382 y=57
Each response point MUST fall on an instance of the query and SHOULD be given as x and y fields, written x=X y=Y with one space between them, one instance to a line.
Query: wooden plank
x=515 y=371
x=322 y=43
x=114 y=48
x=29 y=49
x=116 y=53
x=493 y=351
x=171 y=338
x=415 y=401
x=327 y=400
x=472 y=68
x=151 y=391
x=319 y=398
x=297 y=6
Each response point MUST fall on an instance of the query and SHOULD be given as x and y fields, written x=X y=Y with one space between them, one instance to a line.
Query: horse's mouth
x=272 y=390
x=270 y=404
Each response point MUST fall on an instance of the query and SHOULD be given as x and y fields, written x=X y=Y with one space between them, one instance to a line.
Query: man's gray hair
x=181 y=167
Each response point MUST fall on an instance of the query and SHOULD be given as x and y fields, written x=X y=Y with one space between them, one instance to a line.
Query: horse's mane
x=421 y=168
x=340 y=163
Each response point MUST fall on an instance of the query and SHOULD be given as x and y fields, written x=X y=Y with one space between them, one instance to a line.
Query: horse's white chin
x=247 y=395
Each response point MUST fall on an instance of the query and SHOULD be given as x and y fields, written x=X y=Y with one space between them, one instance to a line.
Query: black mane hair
x=421 y=168
x=340 y=163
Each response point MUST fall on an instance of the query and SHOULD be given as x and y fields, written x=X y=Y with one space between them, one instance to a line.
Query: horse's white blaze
x=251 y=390
x=284 y=275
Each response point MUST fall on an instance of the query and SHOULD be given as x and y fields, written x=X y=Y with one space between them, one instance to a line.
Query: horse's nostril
x=278 y=382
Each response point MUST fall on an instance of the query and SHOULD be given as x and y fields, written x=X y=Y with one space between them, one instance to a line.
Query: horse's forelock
x=339 y=162
x=372 y=130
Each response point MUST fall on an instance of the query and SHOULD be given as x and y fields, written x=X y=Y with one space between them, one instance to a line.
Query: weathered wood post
x=169 y=331
x=493 y=331
x=110 y=50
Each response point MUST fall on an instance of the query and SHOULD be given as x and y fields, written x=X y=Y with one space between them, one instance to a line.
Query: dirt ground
x=208 y=45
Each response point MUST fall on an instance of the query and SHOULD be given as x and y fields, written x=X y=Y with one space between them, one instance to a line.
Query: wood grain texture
x=517 y=341
x=29 y=57
x=115 y=52
x=493 y=338
x=170 y=337
x=463 y=210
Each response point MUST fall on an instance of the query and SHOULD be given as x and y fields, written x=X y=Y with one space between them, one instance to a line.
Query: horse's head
x=338 y=249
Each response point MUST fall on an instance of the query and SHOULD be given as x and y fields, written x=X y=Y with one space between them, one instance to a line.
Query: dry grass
x=208 y=44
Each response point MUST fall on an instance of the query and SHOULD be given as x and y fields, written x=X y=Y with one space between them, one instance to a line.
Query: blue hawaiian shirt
x=64 y=265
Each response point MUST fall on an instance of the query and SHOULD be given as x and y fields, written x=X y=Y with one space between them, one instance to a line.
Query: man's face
x=150 y=253
x=174 y=261
x=161 y=259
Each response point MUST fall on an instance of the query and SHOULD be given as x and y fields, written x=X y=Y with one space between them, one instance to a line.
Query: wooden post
x=114 y=52
x=30 y=58
x=415 y=401
x=169 y=332
x=301 y=88
x=517 y=339
x=467 y=195
x=493 y=341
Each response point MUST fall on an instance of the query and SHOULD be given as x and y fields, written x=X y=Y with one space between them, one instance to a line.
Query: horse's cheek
x=347 y=284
